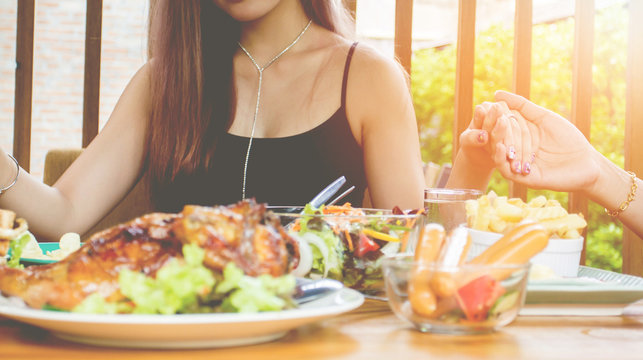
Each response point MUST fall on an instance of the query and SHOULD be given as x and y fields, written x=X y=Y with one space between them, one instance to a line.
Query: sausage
x=522 y=249
x=515 y=234
x=455 y=252
x=456 y=248
x=430 y=243
x=532 y=239
x=423 y=300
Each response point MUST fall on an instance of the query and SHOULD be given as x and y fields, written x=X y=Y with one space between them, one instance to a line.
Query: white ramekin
x=561 y=255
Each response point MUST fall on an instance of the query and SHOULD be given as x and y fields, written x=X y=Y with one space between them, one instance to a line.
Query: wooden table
x=373 y=332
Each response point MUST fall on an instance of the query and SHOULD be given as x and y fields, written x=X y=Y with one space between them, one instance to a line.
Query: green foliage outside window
x=433 y=85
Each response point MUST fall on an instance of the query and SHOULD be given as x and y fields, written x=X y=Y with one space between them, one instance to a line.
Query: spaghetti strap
x=345 y=79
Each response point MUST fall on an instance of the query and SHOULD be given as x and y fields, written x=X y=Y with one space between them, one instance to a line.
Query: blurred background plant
x=433 y=84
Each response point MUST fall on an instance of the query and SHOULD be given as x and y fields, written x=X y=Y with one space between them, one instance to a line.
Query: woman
x=252 y=98
x=551 y=153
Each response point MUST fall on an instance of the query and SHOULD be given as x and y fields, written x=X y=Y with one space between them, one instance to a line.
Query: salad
x=348 y=244
x=189 y=287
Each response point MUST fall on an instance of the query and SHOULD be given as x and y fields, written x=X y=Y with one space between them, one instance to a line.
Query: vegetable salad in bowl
x=348 y=244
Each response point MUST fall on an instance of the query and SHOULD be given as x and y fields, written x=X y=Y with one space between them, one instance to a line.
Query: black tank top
x=281 y=171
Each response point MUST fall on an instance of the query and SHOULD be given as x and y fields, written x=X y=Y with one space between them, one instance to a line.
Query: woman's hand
x=484 y=145
x=563 y=159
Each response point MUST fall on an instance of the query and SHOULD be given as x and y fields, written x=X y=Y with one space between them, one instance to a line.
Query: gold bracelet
x=630 y=198
x=2 y=190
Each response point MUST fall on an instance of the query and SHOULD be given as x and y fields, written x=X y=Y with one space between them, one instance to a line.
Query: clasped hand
x=530 y=145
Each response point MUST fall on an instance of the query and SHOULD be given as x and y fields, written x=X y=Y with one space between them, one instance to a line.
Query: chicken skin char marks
x=243 y=233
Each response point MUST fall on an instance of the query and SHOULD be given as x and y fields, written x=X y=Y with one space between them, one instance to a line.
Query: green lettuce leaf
x=16 y=246
x=248 y=294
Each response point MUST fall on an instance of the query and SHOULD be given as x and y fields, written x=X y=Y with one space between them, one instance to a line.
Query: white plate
x=592 y=286
x=182 y=331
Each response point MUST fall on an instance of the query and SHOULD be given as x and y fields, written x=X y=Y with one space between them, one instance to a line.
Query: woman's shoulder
x=136 y=97
x=373 y=72
x=375 y=78
x=369 y=58
x=144 y=73
x=141 y=82
x=365 y=58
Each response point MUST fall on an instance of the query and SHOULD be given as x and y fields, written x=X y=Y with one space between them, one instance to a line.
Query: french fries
x=501 y=214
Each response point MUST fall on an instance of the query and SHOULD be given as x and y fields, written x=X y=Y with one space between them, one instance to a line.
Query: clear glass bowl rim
x=406 y=260
x=369 y=213
x=446 y=192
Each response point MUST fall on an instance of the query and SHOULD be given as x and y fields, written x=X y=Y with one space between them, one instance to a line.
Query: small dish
x=461 y=300
x=560 y=255
x=45 y=247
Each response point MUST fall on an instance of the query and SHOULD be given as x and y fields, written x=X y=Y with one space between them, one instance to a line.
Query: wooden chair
x=436 y=176
x=431 y=171
x=134 y=204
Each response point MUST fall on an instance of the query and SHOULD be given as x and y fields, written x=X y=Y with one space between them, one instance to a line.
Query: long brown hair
x=192 y=43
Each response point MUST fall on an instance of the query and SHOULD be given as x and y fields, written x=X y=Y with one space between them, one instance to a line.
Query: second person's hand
x=559 y=149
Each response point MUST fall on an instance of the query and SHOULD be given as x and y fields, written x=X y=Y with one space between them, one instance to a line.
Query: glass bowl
x=349 y=246
x=467 y=299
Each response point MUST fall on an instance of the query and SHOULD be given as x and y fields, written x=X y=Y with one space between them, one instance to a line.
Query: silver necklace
x=260 y=69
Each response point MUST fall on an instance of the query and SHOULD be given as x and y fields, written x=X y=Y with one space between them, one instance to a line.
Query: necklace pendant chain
x=260 y=70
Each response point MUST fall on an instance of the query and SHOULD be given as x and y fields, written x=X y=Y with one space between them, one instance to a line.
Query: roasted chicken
x=243 y=233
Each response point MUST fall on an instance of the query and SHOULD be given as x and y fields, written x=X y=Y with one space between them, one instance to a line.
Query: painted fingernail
x=517 y=167
x=526 y=168
x=482 y=136
x=512 y=153
x=533 y=157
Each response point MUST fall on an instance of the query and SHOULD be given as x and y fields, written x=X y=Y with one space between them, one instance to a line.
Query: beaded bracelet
x=630 y=198
x=2 y=190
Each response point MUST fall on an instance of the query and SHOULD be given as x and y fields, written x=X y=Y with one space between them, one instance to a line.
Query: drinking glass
x=447 y=206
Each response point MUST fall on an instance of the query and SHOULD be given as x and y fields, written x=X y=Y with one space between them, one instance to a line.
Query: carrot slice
x=348 y=240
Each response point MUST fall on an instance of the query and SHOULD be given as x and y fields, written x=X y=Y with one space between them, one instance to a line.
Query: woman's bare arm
x=379 y=104
x=96 y=181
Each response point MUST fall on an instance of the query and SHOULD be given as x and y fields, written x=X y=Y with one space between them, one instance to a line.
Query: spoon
x=323 y=196
x=308 y=290
x=328 y=191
